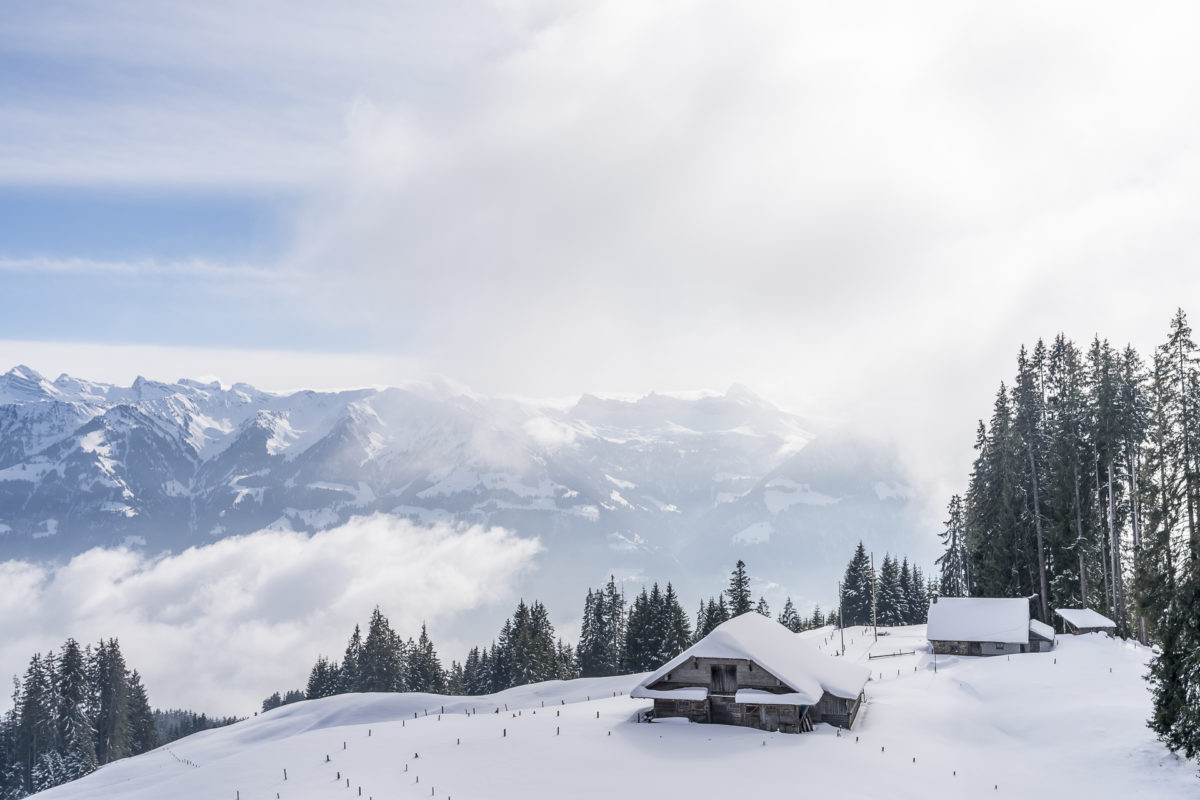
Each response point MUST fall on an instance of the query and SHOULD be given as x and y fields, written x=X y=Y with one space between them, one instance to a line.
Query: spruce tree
x=381 y=659
x=738 y=592
x=142 y=736
x=424 y=672
x=953 y=561
x=113 y=735
x=856 y=588
x=350 y=679
x=789 y=619
x=76 y=733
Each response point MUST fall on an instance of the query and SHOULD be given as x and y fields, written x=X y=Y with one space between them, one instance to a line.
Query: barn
x=984 y=626
x=754 y=672
x=1084 y=620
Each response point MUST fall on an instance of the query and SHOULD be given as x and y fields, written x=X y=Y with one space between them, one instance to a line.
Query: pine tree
x=113 y=735
x=142 y=736
x=455 y=680
x=424 y=672
x=76 y=732
x=323 y=679
x=350 y=679
x=789 y=619
x=381 y=659
x=954 y=582
x=763 y=608
x=679 y=630
x=640 y=647
x=856 y=588
x=738 y=592
x=34 y=728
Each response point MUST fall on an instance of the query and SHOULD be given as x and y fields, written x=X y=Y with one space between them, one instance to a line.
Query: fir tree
x=738 y=592
x=350 y=679
x=856 y=588
x=424 y=671
x=789 y=619
x=381 y=659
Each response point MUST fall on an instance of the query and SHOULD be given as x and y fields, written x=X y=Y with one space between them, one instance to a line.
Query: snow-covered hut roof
x=753 y=637
x=979 y=619
x=1085 y=618
x=1039 y=628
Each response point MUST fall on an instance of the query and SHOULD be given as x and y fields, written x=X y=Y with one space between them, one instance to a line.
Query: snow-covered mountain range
x=658 y=486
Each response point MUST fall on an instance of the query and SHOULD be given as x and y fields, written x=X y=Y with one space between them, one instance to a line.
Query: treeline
x=176 y=723
x=1085 y=492
x=616 y=638
x=72 y=712
x=901 y=593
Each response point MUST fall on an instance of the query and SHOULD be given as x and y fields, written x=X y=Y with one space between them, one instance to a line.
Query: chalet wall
x=948 y=648
x=698 y=672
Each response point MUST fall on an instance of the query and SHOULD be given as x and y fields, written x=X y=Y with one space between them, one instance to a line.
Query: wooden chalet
x=985 y=626
x=1084 y=620
x=753 y=672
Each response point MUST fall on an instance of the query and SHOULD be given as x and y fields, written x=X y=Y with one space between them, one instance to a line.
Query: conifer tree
x=856 y=588
x=142 y=735
x=323 y=679
x=381 y=659
x=738 y=592
x=76 y=734
x=350 y=678
x=789 y=619
x=113 y=736
x=679 y=630
x=954 y=581
x=423 y=670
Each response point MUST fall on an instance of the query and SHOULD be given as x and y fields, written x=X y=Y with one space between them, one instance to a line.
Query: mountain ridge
x=644 y=486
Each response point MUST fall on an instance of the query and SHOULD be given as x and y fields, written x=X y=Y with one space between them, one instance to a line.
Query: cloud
x=860 y=210
x=218 y=627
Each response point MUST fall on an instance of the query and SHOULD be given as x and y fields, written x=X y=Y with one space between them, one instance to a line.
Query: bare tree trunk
x=1103 y=540
x=1079 y=544
x=1115 y=539
x=1037 y=521
x=1135 y=508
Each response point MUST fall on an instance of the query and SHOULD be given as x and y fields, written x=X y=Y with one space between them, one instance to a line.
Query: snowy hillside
x=1067 y=723
x=657 y=486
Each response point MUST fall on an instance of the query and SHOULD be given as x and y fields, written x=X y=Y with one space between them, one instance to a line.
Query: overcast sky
x=858 y=209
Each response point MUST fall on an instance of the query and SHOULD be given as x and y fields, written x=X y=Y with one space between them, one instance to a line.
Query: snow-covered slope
x=1064 y=724
x=659 y=486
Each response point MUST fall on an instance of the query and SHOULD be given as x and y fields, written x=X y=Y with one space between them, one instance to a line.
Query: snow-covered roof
x=1036 y=626
x=979 y=619
x=770 y=698
x=686 y=693
x=777 y=650
x=1085 y=618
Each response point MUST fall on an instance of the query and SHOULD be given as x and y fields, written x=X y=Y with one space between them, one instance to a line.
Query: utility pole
x=842 y=617
x=874 y=618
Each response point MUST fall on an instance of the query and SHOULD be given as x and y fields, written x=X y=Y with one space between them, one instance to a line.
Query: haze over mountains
x=662 y=487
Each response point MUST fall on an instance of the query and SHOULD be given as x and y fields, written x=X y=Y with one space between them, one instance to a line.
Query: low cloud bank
x=218 y=627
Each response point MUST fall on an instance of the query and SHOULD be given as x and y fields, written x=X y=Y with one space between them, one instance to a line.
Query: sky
x=860 y=210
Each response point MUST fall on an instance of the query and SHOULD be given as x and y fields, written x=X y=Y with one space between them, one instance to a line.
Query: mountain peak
x=25 y=384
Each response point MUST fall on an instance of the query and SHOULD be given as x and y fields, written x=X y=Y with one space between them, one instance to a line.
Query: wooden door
x=724 y=679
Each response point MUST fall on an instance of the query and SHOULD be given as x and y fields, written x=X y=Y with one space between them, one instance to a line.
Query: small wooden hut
x=1041 y=637
x=1084 y=620
x=754 y=672
x=979 y=626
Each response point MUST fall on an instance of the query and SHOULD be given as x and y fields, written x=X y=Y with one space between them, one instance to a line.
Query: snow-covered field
x=1066 y=723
